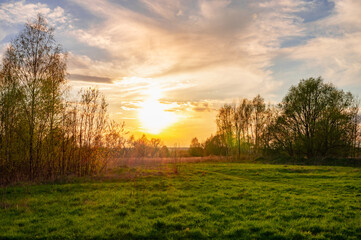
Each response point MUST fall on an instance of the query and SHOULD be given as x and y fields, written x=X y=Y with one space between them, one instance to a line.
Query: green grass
x=204 y=200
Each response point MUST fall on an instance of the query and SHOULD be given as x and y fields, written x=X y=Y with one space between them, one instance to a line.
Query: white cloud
x=335 y=51
x=347 y=15
x=21 y=12
x=337 y=59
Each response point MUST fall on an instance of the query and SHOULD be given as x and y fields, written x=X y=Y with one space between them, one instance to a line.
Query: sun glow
x=155 y=116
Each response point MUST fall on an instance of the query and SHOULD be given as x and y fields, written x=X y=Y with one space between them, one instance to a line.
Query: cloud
x=346 y=16
x=338 y=59
x=202 y=107
x=85 y=78
x=216 y=49
x=334 y=52
x=14 y=14
x=130 y=106
x=164 y=8
x=208 y=35
x=84 y=65
x=21 y=12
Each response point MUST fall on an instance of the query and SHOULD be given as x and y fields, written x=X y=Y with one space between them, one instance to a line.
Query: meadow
x=189 y=201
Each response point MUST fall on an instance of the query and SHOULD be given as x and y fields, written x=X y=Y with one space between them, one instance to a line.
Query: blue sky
x=194 y=55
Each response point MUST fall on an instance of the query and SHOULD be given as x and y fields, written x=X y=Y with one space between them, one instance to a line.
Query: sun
x=154 y=116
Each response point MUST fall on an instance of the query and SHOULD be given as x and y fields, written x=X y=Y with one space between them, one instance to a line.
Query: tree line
x=315 y=120
x=43 y=134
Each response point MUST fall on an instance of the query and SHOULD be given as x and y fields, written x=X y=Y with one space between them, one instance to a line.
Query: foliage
x=195 y=149
x=213 y=146
x=316 y=120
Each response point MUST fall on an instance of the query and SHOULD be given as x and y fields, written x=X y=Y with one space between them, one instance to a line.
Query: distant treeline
x=144 y=147
x=315 y=120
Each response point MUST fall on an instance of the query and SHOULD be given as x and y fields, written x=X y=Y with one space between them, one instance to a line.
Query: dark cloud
x=201 y=107
x=85 y=78
x=189 y=106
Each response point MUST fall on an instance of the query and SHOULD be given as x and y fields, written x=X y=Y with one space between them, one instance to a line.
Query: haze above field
x=165 y=66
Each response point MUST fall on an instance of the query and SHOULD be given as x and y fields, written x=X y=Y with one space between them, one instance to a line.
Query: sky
x=166 y=66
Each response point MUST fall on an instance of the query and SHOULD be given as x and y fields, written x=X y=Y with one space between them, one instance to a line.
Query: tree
x=92 y=123
x=225 y=127
x=316 y=120
x=10 y=118
x=36 y=65
x=241 y=127
x=244 y=112
x=259 y=113
x=195 y=148
x=214 y=146
x=164 y=152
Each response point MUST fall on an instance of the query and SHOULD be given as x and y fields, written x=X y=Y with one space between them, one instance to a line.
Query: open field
x=194 y=201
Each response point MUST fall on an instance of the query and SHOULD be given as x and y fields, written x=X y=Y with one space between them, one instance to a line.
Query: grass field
x=199 y=201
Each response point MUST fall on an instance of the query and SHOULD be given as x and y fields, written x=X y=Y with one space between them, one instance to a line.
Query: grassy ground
x=202 y=200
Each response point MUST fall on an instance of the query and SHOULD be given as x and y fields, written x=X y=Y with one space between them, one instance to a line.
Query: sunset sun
x=155 y=116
